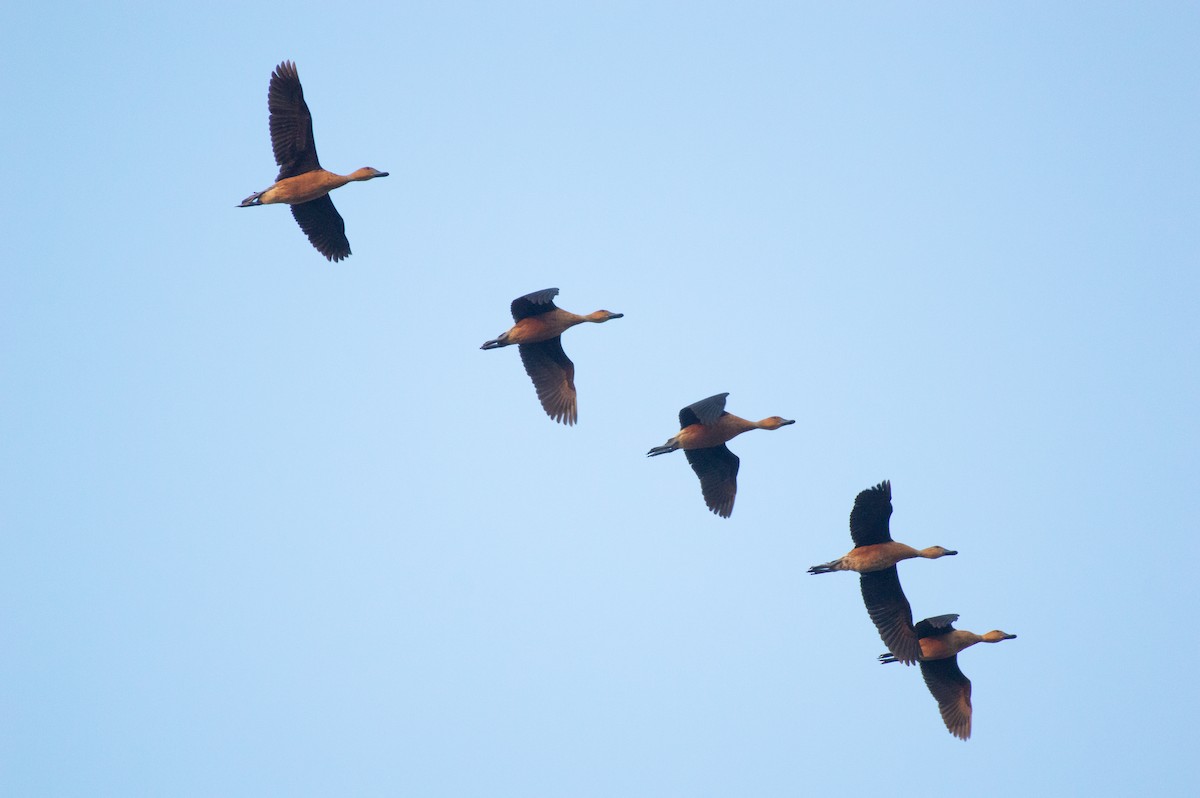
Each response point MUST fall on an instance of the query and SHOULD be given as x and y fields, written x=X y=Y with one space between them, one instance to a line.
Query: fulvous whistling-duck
x=940 y=644
x=538 y=335
x=874 y=557
x=302 y=183
x=704 y=429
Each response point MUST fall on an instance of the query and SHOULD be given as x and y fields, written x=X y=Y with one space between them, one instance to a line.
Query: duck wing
x=706 y=411
x=534 y=304
x=936 y=626
x=324 y=227
x=291 y=123
x=553 y=376
x=869 y=518
x=717 y=468
x=891 y=613
x=952 y=691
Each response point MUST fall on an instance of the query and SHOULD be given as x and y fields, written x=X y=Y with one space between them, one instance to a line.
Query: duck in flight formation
x=940 y=644
x=302 y=183
x=538 y=336
x=704 y=428
x=874 y=557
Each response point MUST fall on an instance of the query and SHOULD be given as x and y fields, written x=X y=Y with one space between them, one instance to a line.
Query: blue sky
x=274 y=526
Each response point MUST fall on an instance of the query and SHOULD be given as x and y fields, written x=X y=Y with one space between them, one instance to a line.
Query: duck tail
x=825 y=568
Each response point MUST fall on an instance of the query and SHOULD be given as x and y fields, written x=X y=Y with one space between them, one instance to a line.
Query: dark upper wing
x=324 y=227
x=706 y=411
x=553 y=376
x=869 y=518
x=291 y=124
x=891 y=613
x=533 y=304
x=952 y=690
x=936 y=626
x=717 y=468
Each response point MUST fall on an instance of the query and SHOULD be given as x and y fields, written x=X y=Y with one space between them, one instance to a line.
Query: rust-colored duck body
x=940 y=644
x=705 y=427
x=302 y=183
x=874 y=557
x=538 y=335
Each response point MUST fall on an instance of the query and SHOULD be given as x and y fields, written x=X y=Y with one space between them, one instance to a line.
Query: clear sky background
x=274 y=526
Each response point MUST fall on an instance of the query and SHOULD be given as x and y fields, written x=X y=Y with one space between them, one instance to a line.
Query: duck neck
x=569 y=319
x=737 y=424
x=968 y=639
x=333 y=180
